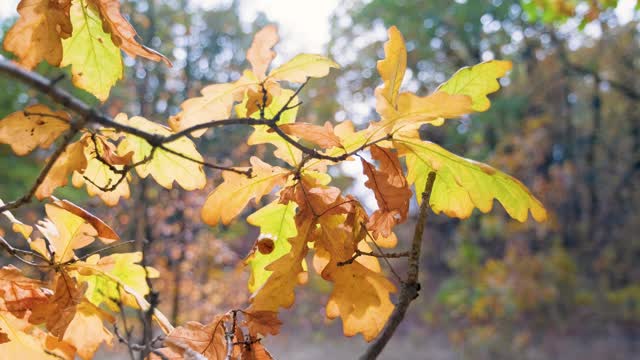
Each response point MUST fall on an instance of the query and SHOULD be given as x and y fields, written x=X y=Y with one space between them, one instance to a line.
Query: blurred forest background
x=567 y=124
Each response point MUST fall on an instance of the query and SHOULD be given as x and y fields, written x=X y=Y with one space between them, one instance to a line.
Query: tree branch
x=409 y=288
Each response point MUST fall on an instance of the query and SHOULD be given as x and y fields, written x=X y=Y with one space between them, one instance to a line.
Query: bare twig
x=409 y=288
x=359 y=253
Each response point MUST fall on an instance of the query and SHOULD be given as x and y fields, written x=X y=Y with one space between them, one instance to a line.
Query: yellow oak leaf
x=214 y=104
x=35 y=126
x=260 y=54
x=228 y=200
x=105 y=232
x=72 y=159
x=391 y=69
x=361 y=296
x=96 y=62
x=261 y=134
x=65 y=232
x=303 y=66
x=17 y=340
x=122 y=33
x=86 y=331
x=462 y=184
x=164 y=166
x=38 y=33
x=477 y=82
x=98 y=175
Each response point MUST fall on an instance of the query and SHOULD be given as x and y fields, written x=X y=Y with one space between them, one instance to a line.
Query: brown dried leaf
x=122 y=33
x=391 y=191
x=20 y=293
x=262 y=322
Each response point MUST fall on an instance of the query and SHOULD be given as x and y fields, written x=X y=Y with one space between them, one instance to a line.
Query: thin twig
x=409 y=289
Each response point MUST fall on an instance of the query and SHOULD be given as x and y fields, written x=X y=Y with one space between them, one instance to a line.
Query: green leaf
x=107 y=275
x=462 y=184
x=276 y=222
x=477 y=82
x=96 y=62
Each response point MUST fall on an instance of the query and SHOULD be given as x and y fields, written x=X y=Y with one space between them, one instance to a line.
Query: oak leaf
x=20 y=293
x=390 y=189
x=262 y=323
x=477 y=82
x=194 y=340
x=96 y=62
x=163 y=164
x=86 y=331
x=122 y=33
x=61 y=308
x=228 y=200
x=106 y=278
x=262 y=134
x=20 y=340
x=260 y=54
x=105 y=232
x=35 y=126
x=69 y=227
x=72 y=159
x=278 y=290
x=322 y=136
x=38 y=33
x=391 y=69
x=99 y=176
x=214 y=104
x=301 y=67
x=276 y=222
x=462 y=184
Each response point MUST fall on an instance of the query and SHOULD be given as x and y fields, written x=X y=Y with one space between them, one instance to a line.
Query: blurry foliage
x=566 y=124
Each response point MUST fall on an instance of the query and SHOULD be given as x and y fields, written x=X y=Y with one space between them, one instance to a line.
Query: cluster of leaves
x=306 y=215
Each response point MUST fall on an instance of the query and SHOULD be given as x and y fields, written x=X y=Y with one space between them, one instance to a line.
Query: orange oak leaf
x=38 y=33
x=61 y=308
x=361 y=293
x=194 y=340
x=260 y=54
x=322 y=136
x=255 y=351
x=232 y=196
x=122 y=33
x=72 y=159
x=391 y=190
x=19 y=292
x=35 y=126
x=262 y=322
